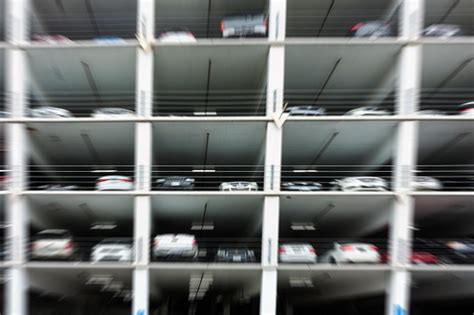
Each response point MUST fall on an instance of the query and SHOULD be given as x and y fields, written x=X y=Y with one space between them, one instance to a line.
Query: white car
x=113 y=112
x=53 y=244
x=52 y=39
x=297 y=253
x=367 y=111
x=368 y=183
x=50 y=112
x=175 y=246
x=114 y=182
x=426 y=183
x=238 y=186
x=351 y=253
x=467 y=109
x=177 y=37
x=113 y=249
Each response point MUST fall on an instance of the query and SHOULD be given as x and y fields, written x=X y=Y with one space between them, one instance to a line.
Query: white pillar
x=273 y=147
x=141 y=284
x=142 y=230
x=268 y=294
x=270 y=234
x=277 y=20
x=411 y=18
x=143 y=156
x=144 y=66
x=275 y=78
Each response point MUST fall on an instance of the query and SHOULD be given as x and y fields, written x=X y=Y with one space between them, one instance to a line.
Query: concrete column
x=277 y=20
x=270 y=227
x=141 y=285
x=411 y=18
x=273 y=147
x=142 y=230
x=275 y=79
x=268 y=295
x=144 y=66
x=143 y=156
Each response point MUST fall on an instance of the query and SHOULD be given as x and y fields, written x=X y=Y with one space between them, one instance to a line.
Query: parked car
x=367 y=111
x=426 y=183
x=238 y=186
x=244 y=25
x=175 y=183
x=371 y=29
x=352 y=253
x=467 y=109
x=114 y=182
x=50 y=112
x=4 y=114
x=53 y=244
x=301 y=186
x=297 y=253
x=417 y=258
x=58 y=187
x=175 y=246
x=180 y=35
x=109 y=40
x=113 y=112
x=52 y=39
x=367 y=183
x=113 y=249
x=460 y=251
x=236 y=255
x=430 y=112
x=306 y=110
x=443 y=30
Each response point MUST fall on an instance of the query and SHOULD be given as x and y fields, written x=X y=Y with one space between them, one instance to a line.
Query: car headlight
x=160 y=180
x=190 y=180
x=456 y=245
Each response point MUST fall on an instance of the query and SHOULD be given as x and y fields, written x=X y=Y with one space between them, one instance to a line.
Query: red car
x=417 y=258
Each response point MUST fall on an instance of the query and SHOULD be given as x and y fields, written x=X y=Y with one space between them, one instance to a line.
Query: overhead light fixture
x=99 y=280
x=413 y=228
x=207 y=170
x=113 y=286
x=103 y=226
x=303 y=226
x=206 y=226
x=301 y=282
x=305 y=171
x=205 y=113
x=104 y=171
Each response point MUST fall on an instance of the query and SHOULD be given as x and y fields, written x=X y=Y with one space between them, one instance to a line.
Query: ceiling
x=441 y=60
x=78 y=69
x=72 y=18
x=359 y=68
x=2 y=20
x=232 y=216
x=306 y=18
x=332 y=285
x=447 y=142
x=71 y=282
x=92 y=144
x=230 y=143
x=461 y=14
x=355 y=143
x=435 y=216
x=335 y=216
x=78 y=213
x=2 y=71
x=442 y=286
x=233 y=67
x=194 y=15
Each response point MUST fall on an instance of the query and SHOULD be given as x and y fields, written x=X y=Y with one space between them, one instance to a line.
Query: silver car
x=113 y=112
x=297 y=253
x=244 y=25
x=367 y=183
x=367 y=111
x=238 y=186
x=426 y=183
x=175 y=246
x=50 y=112
x=306 y=110
x=442 y=30
x=53 y=244
x=301 y=186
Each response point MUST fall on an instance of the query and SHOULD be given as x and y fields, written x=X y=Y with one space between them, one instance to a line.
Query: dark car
x=301 y=186
x=442 y=30
x=460 y=251
x=306 y=110
x=235 y=255
x=371 y=29
x=467 y=109
x=175 y=183
x=244 y=25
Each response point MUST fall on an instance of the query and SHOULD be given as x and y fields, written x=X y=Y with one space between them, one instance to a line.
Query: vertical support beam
x=17 y=32
x=270 y=235
x=411 y=19
x=268 y=295
x=142 y=230
x=144 y=66
x=141 y=283
x=143 y=156
x=277 y=20
x=273 y=147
